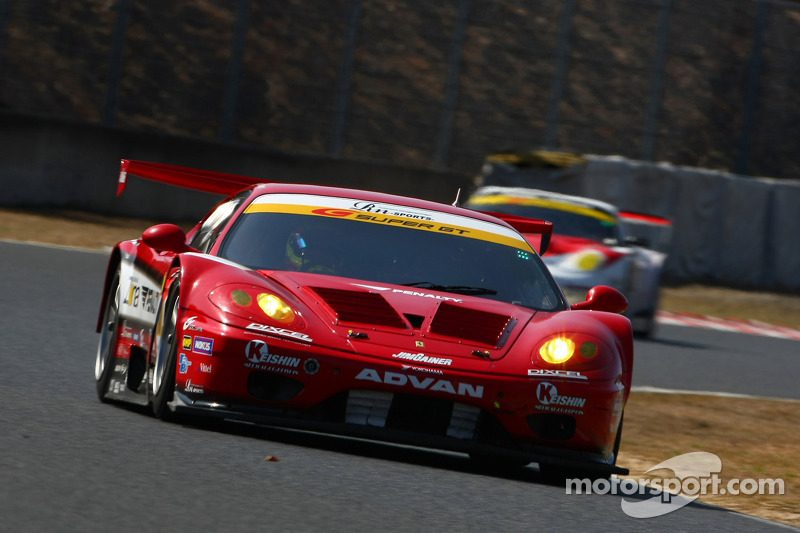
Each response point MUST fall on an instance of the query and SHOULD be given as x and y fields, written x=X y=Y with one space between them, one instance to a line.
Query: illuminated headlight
x=587 y=260
x=557 y=350
x=252 y=303
x=275 y=308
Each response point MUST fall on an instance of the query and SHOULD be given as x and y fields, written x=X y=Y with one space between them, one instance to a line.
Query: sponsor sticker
x=203 y=345
x=189 y=324
x=422 y=358
x=556 y=374
x=192 y=388
x=206 y=368
x=281 y=332
x=259 y=357
x=187 y=342
x=140 y=296
x=423 y=369
x=552 y=402
x=184 y=364
x=387 y=209
x=409 y=292
x=398 y=379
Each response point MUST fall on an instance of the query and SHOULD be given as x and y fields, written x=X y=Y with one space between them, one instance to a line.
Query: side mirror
x=603 y=298
x=165 y=238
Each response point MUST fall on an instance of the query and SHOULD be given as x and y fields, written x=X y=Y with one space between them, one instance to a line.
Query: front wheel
x=165 y=347
x=107 y=346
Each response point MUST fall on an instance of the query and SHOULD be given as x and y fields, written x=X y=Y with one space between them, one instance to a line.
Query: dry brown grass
x=754 y=439
x=70 y=228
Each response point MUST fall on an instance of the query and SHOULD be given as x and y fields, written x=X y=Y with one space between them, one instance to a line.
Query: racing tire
x=647 y=331
x=165 y=348
x=106 y=346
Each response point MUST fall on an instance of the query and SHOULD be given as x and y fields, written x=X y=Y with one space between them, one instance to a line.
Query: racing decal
x=205 y=368
x=422 y=358
x=393 y=210
x=189 y=324
x=259 y=357
x=409 y=292
x=547 y=203
x=552 y=402
x=272 y=330
x=388 y=214
x=192 y=388
x=423 y=369
x=203 y=345
x=184 y=364
x=141 y=294
x=556 y=374
x=187 y=342
x=421 y=383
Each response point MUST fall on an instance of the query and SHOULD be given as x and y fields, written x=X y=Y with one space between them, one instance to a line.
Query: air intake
x=361 y=307
x=469 y=324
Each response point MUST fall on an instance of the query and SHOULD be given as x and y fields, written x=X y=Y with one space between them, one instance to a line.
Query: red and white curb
x=749 y=327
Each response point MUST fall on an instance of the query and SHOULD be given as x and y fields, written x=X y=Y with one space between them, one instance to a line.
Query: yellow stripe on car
x=500 y=199
x=391 y=220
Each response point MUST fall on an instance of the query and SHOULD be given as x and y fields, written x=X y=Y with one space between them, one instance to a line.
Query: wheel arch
x=113 y=264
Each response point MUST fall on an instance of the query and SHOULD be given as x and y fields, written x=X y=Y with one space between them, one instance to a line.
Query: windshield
x=412 y=248
x=567 y=219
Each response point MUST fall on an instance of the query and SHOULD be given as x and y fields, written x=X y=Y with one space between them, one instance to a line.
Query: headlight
x=275 y=308
x=252 y=303
x=565 y=347
x=557 y=350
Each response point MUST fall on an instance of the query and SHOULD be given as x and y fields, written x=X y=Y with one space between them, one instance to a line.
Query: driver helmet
x=306 y=252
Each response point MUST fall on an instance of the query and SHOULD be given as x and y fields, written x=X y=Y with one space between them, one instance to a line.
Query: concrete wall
x=47 y=163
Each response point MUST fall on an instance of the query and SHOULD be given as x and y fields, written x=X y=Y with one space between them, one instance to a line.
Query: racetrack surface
x=71 y=463
x=697 y=359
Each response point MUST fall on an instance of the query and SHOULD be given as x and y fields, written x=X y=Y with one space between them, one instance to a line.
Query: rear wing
x=533 y=229
x=188 y=178
x=649 y=231
x=641 y=218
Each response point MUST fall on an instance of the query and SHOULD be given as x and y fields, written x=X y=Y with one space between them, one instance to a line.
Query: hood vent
x=469 y=324
x=361 y=307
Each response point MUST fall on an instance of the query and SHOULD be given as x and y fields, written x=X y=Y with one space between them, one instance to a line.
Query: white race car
x=591 y=245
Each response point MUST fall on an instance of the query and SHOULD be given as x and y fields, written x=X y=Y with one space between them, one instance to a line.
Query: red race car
x=365 y=314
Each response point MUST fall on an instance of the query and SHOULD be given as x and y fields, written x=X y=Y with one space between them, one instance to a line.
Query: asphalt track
x=69 y=463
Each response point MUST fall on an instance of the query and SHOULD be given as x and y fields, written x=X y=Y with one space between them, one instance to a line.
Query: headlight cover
x=569 y=351
x=557 y=350
x=252 y=303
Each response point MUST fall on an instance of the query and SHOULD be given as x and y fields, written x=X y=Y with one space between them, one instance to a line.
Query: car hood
x=405 y=323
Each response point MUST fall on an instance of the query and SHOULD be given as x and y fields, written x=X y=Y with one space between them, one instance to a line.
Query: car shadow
x=387 y=451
